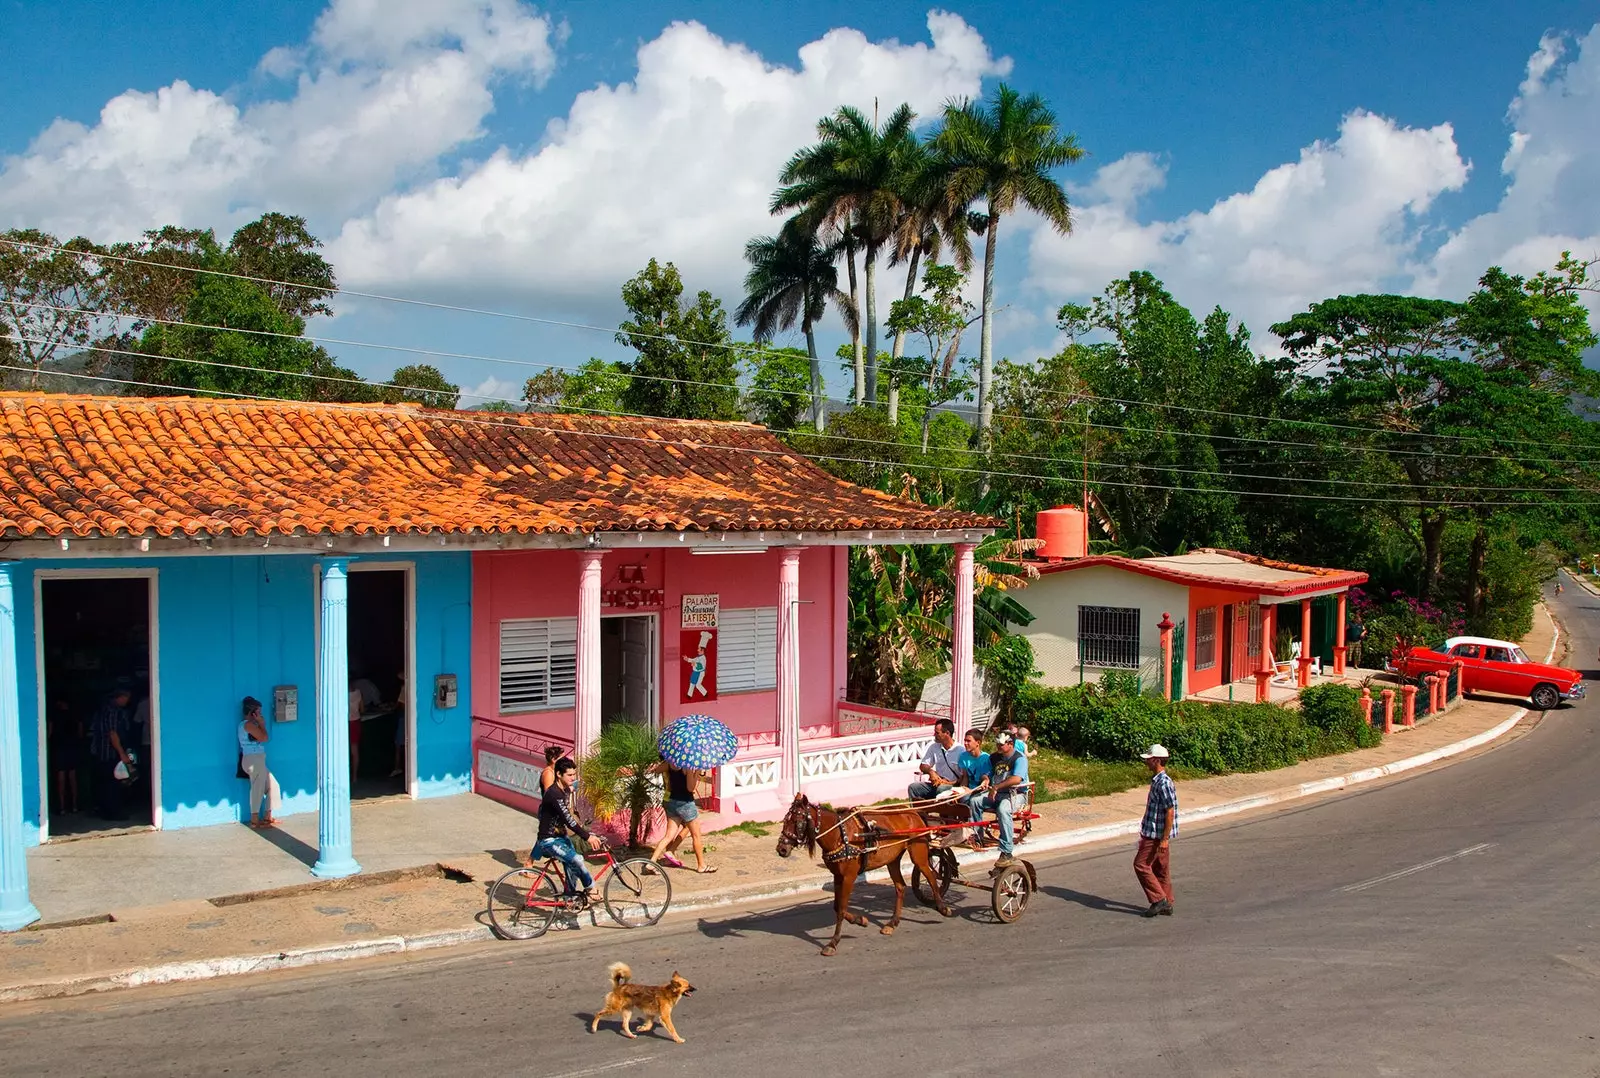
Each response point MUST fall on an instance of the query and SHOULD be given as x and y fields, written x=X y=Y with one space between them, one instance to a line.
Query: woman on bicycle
x=557 y=823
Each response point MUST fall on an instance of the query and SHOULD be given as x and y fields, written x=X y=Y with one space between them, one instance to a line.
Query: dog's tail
x=620 y=973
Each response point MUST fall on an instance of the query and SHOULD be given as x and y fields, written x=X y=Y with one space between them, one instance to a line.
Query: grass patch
x=1060 y=777
x=753 y=828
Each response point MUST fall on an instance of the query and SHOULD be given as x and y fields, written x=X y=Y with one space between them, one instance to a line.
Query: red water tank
x=1064 y=531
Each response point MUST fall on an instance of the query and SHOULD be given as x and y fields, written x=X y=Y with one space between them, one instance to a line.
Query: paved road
x=1441 y=925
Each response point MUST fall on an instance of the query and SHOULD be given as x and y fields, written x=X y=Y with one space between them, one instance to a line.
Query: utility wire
x=696 y=444
x=730 y=345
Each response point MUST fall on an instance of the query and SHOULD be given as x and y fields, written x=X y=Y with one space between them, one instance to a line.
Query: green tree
x=779 y=387
x=686 y=368
x=855 y=178
x=939 y=318
x=153 y=278
x=596 y=387
x=51 y=301
x=421 y=384
x=1003 y=152
x=280 y=249
x=615 y=775
x=792 y=279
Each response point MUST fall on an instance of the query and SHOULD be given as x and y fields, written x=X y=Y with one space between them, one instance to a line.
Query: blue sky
x=1257 y=155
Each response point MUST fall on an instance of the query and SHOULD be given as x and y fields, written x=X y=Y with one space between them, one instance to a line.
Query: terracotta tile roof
x=116 y=466
x=1224 y=569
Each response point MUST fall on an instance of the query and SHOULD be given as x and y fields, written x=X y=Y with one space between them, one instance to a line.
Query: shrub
x=1335 y=712
x=1007 y=666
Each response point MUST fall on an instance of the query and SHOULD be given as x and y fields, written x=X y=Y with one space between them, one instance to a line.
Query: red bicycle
x=523 y=902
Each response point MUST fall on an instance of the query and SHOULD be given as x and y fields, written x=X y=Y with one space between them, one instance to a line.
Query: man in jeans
x=941 y=764
x=557 y=822
x=1151 y=863
x=1008 y=776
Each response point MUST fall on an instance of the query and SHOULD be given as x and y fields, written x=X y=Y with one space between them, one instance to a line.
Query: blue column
x=15 y=909
x=333 y=728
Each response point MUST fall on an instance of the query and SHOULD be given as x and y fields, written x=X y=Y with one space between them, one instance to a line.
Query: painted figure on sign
x=697 y=667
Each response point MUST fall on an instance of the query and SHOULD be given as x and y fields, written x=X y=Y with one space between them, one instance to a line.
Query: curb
x=235 y=965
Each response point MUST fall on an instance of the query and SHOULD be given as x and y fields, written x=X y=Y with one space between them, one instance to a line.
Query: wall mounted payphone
x=444 y=691
x=285 y=703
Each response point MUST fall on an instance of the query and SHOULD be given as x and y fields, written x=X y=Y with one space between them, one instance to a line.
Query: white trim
x=151 y=577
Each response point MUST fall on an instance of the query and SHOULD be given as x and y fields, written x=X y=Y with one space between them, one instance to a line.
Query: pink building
x=702 y=568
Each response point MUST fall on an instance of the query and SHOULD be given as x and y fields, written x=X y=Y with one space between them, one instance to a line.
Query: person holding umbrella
x=689 y=747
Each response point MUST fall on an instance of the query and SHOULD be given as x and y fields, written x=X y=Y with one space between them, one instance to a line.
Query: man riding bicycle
x=556 y=823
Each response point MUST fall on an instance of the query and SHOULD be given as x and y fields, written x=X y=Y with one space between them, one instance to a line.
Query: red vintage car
x=1496 y=666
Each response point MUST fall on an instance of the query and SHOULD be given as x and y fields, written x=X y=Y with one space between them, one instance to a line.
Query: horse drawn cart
x=853 y=841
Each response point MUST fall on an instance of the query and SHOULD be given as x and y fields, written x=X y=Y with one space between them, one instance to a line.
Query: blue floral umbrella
x=697 y=742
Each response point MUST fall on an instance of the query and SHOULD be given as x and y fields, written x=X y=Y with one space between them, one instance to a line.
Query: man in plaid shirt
x=1151 y=864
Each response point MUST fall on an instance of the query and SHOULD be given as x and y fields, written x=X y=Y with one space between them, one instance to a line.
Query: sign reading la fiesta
x=700 y=611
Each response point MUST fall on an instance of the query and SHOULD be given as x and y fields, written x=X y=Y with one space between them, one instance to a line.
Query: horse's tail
x=620 y=974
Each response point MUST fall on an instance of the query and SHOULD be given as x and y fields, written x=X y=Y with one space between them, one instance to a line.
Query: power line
x=434 y=353
x=457 y=418
x=741 y=346
x=1104 y=465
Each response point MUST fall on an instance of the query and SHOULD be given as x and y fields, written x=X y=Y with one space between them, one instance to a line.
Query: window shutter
x=747 y=649
x=538 y=664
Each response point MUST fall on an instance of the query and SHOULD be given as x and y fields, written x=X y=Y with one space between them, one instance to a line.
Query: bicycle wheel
x=522 y=903
x=637 y=892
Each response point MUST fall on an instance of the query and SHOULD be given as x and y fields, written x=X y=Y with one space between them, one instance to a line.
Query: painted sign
x=699 y=650
x=699 y=612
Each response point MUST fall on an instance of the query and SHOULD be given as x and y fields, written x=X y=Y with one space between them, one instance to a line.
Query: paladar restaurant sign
x=700 y=611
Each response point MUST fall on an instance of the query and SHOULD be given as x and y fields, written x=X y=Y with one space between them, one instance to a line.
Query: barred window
x=538 y=664
x=1109 y=636
x=1205 y=638
x=747 y=649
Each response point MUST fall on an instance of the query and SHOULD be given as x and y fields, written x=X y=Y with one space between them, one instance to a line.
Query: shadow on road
x=813 y=922
x=1093 y=902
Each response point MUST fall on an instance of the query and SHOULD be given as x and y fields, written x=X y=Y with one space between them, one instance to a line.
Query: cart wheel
x=1011 y=893
x=945 y=865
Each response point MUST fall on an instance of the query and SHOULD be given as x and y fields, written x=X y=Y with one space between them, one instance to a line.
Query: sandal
x=707 y=870
x=671 y=861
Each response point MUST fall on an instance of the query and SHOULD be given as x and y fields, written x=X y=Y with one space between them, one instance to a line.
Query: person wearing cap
x=1008 y=775
x=1152 y=864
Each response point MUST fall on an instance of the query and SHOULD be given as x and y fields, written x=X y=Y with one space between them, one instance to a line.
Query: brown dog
x=653 y=1001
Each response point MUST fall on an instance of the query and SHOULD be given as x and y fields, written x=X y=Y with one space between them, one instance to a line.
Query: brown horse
x=849 y=848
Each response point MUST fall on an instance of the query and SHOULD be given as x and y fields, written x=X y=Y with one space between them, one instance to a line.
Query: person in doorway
x=683 y=818
x=557 y=823
x=253 y=758
x=64 y=735
x=1355 y=631
x=547 y=777
x=363 y=695
x=111 y=747
x=941 y=764
x=1152 y=863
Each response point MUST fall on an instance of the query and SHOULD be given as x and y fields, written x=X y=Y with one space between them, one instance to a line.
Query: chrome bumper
x=1577 y=692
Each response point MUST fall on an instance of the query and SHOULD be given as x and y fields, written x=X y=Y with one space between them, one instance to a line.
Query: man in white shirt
x=941 y=764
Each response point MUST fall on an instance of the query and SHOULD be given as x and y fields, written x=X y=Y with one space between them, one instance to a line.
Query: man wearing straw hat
x=1152 y=862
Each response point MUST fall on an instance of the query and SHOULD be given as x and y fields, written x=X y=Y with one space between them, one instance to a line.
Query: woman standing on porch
x=253 y=758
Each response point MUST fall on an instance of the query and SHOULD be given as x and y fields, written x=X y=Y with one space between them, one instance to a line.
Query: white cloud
x=1342 y=218
x=678 y=164
x=379 y=93
x=489 y=390
x=1550 y=202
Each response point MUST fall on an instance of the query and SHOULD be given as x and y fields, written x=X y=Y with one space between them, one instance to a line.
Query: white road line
x=1364 y=884
x=602 y=1068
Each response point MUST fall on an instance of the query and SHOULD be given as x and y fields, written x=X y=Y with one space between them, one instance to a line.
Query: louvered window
x=747 y=649
x=538 y=664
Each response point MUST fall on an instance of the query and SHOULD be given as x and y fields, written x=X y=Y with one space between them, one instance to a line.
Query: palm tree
x=792 y=278
x=615 y=775
x=1003 y=152
x=853 y=179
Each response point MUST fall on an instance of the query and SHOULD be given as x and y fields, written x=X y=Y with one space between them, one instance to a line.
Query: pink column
x=1305 y=643
x=1339 y=648
x=1165 y=629
x=961 y=642
x=1269 y=630
x=1408 y=710
x=789 y=673
x=588 y=718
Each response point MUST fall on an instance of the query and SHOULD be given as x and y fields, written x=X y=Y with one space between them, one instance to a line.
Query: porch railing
x=860 y=740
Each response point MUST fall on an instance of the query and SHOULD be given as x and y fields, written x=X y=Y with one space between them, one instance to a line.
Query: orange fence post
x=1366 y=704
x=1388 y=711
x=1408 y=712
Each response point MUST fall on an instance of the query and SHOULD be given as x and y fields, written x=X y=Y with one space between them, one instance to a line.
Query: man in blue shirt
x=975 y=770
x=1008 y=777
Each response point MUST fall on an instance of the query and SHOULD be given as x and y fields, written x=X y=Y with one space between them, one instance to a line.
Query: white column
x=16 y=911
x=588 y=719
x=961 y=642
x=789 y=673
x=334 y=855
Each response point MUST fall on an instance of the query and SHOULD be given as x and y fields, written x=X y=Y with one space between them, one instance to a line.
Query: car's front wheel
x=1546 y=697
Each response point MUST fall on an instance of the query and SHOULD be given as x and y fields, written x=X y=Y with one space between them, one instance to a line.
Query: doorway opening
x=96 y=647
x=627 y=669
x=380 y=696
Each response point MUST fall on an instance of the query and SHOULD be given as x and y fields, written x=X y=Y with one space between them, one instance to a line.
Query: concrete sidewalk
x=210 y=929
